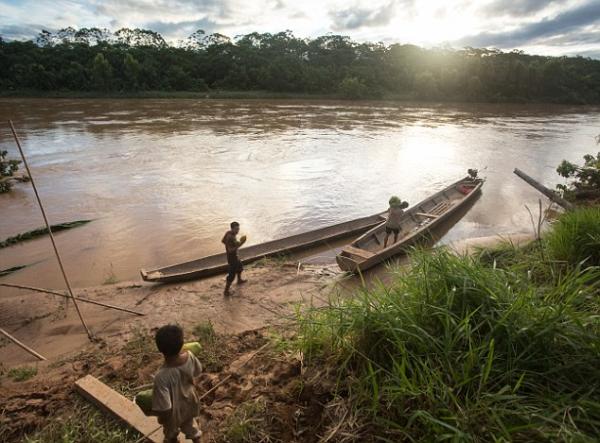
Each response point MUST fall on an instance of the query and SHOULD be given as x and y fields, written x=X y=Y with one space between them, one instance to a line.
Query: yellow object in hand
x=194 y=347
x=243 y=238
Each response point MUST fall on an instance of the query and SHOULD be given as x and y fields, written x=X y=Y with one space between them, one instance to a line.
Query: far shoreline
x=271 y=95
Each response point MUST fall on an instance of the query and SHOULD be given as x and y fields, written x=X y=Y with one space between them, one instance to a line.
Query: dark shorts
x=235 y=267
x=392 y=230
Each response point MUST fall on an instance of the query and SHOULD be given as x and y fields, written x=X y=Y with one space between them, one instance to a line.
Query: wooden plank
x=544 y=190
x=357 y=251
x=116 y=404
x=425 y=214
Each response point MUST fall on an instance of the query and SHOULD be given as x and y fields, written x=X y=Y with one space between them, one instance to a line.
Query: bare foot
x=241 y=282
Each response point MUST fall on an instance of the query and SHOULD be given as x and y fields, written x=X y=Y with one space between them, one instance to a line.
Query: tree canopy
x=93 y=59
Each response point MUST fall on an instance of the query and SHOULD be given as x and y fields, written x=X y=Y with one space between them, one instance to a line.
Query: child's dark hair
x=234 y=225
x=169 y=340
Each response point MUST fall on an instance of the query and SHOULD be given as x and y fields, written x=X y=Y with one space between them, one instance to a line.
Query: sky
x=548 y=27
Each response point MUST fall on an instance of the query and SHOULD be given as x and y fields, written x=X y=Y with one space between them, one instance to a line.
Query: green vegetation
x=213 y=354
x=5 y=272
x=500 y=346
x=586 y=177
x=7 y=169
x=23 y=373
x=86 y=425
x=205 y=333
x=131 y=61
x=246 y=423
x=575 y=238
x=111 y=277
x=29 y=235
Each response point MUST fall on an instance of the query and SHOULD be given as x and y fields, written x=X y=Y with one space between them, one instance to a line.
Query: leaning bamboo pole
x=39 y=200
x=60 y=294
x=22 y=345
x=544 y=190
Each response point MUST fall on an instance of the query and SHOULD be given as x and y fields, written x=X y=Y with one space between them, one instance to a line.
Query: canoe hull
x=354 y=265
x=217 y=264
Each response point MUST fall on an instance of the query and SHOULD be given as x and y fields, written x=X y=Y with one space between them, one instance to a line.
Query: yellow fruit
x=194 y=347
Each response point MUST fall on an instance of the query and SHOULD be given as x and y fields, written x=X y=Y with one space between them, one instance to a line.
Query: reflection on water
x=163 y=178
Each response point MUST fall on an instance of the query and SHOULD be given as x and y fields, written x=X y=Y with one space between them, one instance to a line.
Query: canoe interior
x=216 y=263
x=416 y=221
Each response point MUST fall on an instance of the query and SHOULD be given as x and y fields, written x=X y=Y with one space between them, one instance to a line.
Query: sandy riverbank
x=50 y=324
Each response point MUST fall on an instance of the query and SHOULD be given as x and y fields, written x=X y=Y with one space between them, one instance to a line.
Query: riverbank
x=40 y=396
x=218 y=94
x=305 y=354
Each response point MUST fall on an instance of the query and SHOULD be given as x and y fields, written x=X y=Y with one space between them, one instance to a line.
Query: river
x=162 y=179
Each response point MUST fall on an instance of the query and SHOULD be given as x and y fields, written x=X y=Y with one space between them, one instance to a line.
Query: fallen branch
x=544 y=190
x=39 y=232
x=60 y=294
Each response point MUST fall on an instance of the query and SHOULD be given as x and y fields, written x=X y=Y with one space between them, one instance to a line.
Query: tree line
x=132 y=60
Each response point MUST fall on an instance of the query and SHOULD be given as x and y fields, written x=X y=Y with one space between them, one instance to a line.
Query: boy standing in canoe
x=394 y=220
x=231 y=248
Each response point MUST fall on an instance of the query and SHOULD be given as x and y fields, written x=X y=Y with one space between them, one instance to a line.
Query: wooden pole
x=544 y=190
x=60 y=294
x=24 y=346
x=37 y=196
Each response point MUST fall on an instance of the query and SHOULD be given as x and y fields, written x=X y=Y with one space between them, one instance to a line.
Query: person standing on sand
x=231 y=248
x=393 y=223
x=174 y=398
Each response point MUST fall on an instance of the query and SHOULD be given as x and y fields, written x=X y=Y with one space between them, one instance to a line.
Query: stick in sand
x=37 y=196
x=84 y=300
x=22 y=345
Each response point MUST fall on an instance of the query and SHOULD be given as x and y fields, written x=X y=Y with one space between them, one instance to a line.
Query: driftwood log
x=544 y=190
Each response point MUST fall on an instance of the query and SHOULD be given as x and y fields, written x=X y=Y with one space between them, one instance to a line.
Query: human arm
x=232 y=244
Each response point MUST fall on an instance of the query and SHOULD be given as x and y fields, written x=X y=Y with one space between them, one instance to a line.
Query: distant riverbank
x=221 y=94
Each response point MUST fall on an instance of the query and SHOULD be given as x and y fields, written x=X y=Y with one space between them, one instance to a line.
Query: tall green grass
x=575 y=238
x=460 y=349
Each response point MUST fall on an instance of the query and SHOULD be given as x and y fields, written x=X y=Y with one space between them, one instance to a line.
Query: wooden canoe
x=368 y=250
x=217 y=264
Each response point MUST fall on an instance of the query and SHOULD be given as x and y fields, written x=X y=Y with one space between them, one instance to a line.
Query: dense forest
x=131 y=61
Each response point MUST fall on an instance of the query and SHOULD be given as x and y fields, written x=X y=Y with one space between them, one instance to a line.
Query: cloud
x=136 y=9
x=518 y=8
x=570 y=21
x=354 y=18
x=20 y=32
x=182 y=28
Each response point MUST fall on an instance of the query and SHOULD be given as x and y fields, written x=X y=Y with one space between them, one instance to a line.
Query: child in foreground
x=174 y=398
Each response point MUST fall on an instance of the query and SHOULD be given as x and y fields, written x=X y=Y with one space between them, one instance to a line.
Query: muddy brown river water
x=163 y=178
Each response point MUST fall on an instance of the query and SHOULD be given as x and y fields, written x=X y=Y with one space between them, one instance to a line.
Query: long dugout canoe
x=217 y=264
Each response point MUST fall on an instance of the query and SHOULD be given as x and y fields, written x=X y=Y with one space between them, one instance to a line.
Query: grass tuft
x=575 y=238
x=23 y=373
x=246 y=423
x=85 y=425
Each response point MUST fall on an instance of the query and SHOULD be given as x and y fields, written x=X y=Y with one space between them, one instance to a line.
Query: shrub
x=575 y=238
